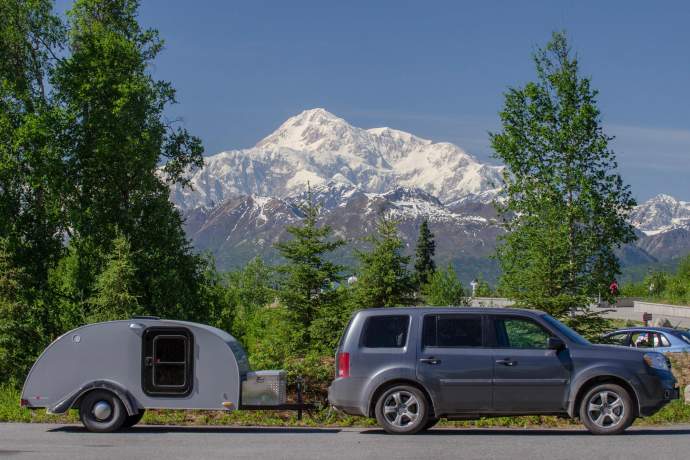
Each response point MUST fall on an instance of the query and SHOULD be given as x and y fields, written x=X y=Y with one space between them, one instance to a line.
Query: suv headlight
x=656 y=361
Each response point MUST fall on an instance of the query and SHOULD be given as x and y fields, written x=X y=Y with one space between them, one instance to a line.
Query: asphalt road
x=28 y=441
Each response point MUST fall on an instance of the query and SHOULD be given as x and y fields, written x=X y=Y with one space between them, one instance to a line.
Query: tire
x=402 y=409
x=430 y=423
x=102 y=412
x=607 y=409
x=132 y=420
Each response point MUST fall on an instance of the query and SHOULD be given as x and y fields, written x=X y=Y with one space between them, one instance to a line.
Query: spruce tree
x=564 y=204
x=444 y=289
x=424 y=258
x=383 y=279
x=115 y=287
x=308 y=279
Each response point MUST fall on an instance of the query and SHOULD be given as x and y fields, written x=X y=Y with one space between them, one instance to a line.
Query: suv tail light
x=23 y=403
x=343 y=364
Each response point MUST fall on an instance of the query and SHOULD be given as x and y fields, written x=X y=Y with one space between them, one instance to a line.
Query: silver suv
x=409 y=367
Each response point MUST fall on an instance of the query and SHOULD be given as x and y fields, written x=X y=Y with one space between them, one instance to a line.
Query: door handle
x=431 y=360
x=506 y=362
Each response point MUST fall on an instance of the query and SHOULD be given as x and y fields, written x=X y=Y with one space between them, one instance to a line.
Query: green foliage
x=27 y=324
x=663 y=287
x=565 y=205
x=118 y=136
x=246 y=290
x=115 y=287
x=424 y=265
x=308 y=281
x=82 y=134
x=444 y=288
x=483 y=289
x=383 y=279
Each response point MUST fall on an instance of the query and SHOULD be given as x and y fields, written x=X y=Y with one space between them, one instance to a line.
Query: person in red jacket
x=613 y=288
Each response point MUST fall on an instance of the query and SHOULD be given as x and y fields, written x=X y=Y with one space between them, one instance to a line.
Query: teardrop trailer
x=113 y=371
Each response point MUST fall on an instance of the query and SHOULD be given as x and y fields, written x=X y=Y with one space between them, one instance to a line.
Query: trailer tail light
x=343 y=364
x=23 y=403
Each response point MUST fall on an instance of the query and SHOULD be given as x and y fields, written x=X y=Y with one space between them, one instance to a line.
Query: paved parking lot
x=28 y=441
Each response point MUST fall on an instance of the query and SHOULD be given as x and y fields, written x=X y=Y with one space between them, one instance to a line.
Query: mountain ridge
x=242 y=200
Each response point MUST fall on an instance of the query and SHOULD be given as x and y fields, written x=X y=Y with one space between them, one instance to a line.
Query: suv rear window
x=452 y=331
x=386 y=331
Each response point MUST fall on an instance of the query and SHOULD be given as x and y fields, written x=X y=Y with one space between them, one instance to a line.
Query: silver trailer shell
x=109 y=355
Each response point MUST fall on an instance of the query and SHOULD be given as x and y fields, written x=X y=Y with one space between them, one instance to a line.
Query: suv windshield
x=565 y=330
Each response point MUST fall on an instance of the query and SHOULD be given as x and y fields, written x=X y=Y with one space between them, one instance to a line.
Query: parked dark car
x=409 y=367
x=661 y=339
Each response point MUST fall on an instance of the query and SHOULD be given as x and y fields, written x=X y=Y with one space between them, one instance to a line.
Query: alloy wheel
x=606 y=409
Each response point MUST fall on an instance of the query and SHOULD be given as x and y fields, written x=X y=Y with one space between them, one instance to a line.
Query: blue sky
x=435 y=68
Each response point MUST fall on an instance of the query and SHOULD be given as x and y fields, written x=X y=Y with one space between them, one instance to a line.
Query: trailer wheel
x=102 y=412
x=132 y=420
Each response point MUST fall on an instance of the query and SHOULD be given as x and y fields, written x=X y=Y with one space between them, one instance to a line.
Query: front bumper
x=659 y=389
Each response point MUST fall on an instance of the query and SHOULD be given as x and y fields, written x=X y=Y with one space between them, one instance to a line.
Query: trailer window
x=167 y=361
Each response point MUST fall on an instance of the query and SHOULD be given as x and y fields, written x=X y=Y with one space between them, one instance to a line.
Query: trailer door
x=167 y=361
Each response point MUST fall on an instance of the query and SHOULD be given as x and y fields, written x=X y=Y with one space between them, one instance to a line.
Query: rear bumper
x=344 y=395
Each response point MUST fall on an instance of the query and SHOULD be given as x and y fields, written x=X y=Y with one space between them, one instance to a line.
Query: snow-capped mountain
x=317 y=147
x=242 y=200
x=661 y=214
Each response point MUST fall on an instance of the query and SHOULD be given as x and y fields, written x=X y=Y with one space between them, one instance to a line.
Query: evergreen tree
x=384 y=280
x=565 y=205
x=248 y=290
x=444 y=289
x=115 y=287
x=307 y=287
x=424 y=259
x=483 y=289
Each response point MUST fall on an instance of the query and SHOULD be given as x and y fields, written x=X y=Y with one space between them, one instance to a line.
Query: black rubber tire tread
x=430 y=423
x=132 y=420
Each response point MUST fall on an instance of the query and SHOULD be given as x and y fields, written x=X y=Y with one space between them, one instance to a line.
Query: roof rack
x=145 y=317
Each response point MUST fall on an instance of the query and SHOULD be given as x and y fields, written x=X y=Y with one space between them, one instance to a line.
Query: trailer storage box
x=264 y=388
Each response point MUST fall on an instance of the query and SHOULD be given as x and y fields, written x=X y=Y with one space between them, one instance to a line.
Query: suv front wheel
x=607 y=409
x=402 y=409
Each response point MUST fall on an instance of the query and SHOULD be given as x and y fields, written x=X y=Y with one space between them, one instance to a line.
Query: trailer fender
x=71 y=400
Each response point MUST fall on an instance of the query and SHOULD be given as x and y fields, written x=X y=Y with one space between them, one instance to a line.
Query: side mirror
x=554 y=343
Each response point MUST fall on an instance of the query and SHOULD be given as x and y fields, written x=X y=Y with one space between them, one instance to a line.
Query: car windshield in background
x=565 y=330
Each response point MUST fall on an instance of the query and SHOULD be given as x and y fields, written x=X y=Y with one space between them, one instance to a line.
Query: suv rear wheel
x=402 y=409
x=607 y=409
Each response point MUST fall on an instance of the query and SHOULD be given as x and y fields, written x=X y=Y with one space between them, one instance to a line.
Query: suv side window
x=452 y=331
x=513 y=332
x=385 y=331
